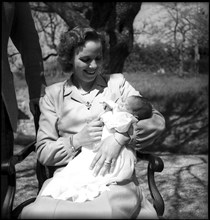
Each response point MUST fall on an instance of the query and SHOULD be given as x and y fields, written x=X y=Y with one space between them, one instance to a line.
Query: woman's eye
x=85 y=60
x=88 y=60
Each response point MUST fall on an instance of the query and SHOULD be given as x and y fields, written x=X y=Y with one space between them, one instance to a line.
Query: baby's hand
x=108 y=104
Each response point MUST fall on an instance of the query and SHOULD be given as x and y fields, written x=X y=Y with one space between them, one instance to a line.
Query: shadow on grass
x=183 y=184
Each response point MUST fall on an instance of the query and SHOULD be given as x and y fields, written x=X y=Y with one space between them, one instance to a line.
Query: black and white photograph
x=104 y=110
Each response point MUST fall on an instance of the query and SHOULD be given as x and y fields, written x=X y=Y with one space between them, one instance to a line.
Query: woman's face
x=87 y=61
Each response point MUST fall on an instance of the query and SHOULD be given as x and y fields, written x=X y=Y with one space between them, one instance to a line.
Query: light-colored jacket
x=65 y=112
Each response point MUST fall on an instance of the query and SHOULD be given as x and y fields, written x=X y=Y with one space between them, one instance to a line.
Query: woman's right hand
x=90 y=134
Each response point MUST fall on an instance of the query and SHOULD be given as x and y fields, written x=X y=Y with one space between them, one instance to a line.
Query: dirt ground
x=183 y=184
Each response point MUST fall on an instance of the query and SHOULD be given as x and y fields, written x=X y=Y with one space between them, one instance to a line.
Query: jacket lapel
x=71 y=90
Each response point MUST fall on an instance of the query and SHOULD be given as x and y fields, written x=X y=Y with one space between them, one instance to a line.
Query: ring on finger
x=107 y=163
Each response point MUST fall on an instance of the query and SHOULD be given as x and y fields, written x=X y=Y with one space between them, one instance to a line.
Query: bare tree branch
x=14 y=54
x=40 y=7
x=49 y=55
x=70 y=16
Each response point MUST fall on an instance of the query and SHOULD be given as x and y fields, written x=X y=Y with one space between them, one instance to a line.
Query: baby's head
x=138 y=106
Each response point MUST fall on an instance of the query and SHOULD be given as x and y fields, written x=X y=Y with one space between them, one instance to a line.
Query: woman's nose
x=93 y=64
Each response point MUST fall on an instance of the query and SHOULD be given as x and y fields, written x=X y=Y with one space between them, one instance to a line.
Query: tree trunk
x=120 y=31
x=196 y=57
x=181 y=60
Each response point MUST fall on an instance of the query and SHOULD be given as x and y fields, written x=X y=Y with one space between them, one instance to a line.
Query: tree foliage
x=183 y=27
x=152 y=58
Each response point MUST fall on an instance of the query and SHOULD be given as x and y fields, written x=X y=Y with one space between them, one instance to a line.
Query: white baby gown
x=76 y=181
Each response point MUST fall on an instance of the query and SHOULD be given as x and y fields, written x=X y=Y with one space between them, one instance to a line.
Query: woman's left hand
x=106 y=157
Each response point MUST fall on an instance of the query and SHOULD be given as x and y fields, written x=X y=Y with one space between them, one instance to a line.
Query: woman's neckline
x=83 y=92
x=81 y=89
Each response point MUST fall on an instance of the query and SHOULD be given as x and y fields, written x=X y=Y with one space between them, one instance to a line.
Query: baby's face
x=126 y=106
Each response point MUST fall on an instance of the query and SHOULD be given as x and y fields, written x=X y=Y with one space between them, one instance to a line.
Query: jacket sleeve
x=149 y=129
x=26 y=40
x=146 y=131
x=51 y=149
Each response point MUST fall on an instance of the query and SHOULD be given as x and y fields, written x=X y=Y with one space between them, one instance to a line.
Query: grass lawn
x=147 y=83
x=163 y=85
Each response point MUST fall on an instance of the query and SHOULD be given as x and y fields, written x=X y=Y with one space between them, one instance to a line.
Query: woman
x=69 y=121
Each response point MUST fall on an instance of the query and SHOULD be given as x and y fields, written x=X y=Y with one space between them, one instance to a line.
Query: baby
x=85 y=186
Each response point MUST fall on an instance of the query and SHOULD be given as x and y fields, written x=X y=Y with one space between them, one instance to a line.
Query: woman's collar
x=69 y=87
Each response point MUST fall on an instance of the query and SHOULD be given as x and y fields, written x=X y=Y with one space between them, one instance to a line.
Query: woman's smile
x=89 y=72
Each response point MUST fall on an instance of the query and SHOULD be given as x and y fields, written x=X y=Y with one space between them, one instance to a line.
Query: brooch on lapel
x=88 y=105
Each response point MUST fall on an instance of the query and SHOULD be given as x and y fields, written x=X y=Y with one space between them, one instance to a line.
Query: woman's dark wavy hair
x=71 y=40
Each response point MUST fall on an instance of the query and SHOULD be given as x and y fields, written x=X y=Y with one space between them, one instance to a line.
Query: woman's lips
x=90 y=73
